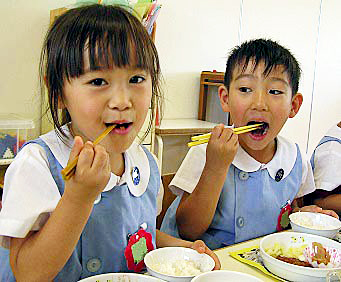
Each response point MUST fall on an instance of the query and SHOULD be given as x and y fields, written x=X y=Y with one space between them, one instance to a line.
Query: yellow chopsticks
x=70 y=169
x=201 y=139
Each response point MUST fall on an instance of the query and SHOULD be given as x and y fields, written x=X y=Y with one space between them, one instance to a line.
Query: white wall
x=192 y=36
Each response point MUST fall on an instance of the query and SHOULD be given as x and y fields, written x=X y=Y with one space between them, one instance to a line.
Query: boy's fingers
x=217 y=130
x=101 y=158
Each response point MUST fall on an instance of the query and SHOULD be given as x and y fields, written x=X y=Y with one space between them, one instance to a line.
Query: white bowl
x=290 y=271
x=225 y=275
x=164 y=257
x=121 y=277
x=315 y=223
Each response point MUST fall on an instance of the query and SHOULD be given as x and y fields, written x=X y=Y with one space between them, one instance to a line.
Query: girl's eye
x=136 y=79
x=275 y=91
x=245 y=89
x=98 y=82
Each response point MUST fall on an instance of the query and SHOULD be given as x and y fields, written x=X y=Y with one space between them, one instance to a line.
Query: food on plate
x=178 y=268
x=312 y=255
x=309 y=222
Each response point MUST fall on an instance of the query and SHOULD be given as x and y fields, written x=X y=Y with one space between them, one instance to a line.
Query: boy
x=229 y=193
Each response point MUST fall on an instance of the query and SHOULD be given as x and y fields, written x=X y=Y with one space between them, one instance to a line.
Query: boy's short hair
x=267 y=51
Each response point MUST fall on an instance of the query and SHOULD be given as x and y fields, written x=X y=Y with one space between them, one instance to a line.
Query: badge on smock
x=135 y=175
x=139 y=244
x=279 y=175
x=283 y=218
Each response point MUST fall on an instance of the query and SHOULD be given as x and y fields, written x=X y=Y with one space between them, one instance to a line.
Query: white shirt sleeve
x=189 y=172
x=327 y=161
x=307 y=185
x=30 y=194
x=159 y=197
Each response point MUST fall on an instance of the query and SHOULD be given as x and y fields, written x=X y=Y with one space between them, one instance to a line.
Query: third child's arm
x=41 y=255
x=196 y=210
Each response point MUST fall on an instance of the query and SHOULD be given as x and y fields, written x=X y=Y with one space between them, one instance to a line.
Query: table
x=229 y=263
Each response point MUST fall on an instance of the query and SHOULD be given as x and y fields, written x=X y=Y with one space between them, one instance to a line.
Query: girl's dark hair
x=112 y=35
x=267 y=51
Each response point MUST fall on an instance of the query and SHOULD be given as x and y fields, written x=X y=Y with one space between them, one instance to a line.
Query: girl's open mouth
x=261 y=131
x=121 y=128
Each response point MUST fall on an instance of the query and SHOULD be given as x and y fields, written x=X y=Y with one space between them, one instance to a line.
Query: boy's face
x=252 y=98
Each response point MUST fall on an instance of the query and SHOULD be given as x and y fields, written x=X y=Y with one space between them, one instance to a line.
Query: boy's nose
x=119 y=99
x=259 y=101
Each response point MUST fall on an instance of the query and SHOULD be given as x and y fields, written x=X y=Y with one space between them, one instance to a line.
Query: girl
x=101 y=68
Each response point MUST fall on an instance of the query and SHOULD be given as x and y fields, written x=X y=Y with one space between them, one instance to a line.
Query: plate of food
x=300 y=256
x=121 y=277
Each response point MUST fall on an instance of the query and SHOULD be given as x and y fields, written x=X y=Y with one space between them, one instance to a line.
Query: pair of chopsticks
x=70 y=169
x=201 y=139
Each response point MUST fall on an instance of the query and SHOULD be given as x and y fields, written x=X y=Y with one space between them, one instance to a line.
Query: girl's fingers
x=86 y=156
x=76 y=148
x=101 y=158
x=201 y=247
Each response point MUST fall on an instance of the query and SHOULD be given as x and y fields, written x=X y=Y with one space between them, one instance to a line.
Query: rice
x=178 y=268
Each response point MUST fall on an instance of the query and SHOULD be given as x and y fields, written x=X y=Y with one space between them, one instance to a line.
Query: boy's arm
x=196 y=210
x=331 y=202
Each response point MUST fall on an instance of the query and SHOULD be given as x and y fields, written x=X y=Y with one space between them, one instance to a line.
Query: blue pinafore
x=248 y=207
x=101 y=246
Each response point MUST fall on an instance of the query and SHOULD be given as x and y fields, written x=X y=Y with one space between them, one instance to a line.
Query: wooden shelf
x=207 y=79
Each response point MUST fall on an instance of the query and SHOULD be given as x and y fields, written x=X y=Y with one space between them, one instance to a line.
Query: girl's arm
x=196 y=210
x=41 y=255
x=165 y=240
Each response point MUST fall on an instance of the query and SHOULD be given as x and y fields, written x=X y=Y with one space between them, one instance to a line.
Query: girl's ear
x=224 y=98
x=296 y=103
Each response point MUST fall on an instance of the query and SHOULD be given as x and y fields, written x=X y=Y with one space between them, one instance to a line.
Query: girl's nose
x=259 y=101
x=119 y=99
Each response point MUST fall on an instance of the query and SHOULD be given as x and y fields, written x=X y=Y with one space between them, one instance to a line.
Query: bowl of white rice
x=177 y=263
x=315 y=223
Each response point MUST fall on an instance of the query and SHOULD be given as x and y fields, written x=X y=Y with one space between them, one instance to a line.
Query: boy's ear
x=224 y=98
x=296 y=103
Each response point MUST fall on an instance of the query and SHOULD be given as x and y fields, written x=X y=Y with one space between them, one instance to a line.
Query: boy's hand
x=221 y=149
x=200 y=247
x=314 y=208
x=92 y=171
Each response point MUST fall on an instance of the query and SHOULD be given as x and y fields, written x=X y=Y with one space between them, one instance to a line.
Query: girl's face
x=253 y=98
x=98 y=99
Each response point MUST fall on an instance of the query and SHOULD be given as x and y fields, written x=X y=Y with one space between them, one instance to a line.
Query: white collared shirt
x=327 y=161
x=188 y=174
x=31 y=194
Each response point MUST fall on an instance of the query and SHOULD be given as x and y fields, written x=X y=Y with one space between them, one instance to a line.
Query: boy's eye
x=98 y=82
x=136 y=79
x=275 y=91
x=244 y=89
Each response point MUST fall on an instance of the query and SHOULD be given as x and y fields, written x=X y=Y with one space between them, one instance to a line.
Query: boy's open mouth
x=262 y=130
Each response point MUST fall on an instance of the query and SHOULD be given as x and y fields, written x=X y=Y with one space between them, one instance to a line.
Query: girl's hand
x=314 y=208
x=221 y=149
x=92 y=171
x=200 y=247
